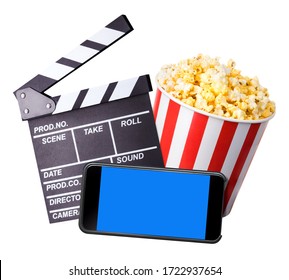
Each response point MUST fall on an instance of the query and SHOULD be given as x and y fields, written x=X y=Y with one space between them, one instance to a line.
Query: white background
x=37 y=33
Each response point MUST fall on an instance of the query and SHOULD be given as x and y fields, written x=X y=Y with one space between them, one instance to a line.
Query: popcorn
x=206 y=84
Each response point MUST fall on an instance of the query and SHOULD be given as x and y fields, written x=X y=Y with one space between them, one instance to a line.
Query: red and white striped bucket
x=193 y=139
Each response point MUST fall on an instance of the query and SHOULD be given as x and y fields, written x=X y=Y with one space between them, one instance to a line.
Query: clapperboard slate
x=111 y=124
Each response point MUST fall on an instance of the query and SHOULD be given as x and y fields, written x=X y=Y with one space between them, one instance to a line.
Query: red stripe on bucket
x=157 y=103
x=169 y=128
x=193 y=141
x=222 y=146
x=240 y=161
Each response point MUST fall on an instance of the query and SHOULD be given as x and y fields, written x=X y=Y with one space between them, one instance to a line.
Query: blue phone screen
x=151 y=202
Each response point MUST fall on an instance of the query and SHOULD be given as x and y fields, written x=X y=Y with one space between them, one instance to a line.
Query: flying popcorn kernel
x=206 y=84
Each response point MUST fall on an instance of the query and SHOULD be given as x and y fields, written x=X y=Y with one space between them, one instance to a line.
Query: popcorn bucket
x=193 y=139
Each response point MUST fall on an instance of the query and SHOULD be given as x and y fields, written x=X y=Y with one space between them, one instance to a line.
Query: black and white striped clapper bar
x=111 y=124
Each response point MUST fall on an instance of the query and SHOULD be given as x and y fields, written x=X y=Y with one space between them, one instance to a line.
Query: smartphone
x=161 y=203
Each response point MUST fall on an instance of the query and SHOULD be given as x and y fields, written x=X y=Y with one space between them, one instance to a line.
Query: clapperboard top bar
x=33 y=102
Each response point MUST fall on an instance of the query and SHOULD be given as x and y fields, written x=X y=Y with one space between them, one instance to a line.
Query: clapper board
x=113 y=123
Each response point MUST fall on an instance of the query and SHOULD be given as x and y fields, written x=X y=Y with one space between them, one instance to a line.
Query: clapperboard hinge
x=33 y=103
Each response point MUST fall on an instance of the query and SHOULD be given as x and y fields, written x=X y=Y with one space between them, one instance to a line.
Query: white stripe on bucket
x=162 y=112
x=234 y=150
x=208 y=143
x=180 y=136
x=245 y=167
